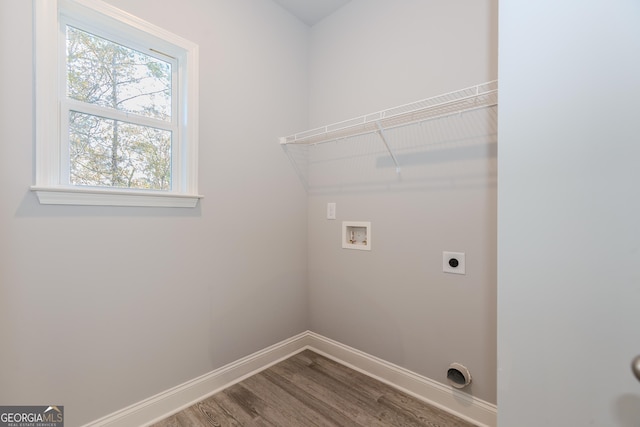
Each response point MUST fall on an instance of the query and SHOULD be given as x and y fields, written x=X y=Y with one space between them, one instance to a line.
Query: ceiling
x=311 y=11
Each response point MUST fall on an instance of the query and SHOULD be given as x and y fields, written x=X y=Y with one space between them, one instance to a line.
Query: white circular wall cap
x=458 y=375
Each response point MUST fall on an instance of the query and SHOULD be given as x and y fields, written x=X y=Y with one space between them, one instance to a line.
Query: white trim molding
x=445 y=397
x=162 y=405
x=95 y=196
x=52 y=184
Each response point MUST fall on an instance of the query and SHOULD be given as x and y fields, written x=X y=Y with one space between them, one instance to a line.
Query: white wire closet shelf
x=361 y=152
x=457 y=102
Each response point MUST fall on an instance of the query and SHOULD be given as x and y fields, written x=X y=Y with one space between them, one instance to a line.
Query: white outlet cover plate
x=447 y=268
x=331 y=210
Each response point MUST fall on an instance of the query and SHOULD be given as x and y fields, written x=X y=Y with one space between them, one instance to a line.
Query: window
x=116 y=108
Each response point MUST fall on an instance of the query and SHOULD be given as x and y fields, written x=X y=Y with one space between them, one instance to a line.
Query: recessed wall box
x=356 y=235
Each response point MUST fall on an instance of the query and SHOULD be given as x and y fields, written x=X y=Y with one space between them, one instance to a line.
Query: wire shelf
x=457 y=102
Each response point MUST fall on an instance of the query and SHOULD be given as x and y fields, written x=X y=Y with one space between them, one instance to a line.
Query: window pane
x=105 y=73
x=112 y=153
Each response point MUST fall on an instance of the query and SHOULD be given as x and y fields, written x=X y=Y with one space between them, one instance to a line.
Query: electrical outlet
x=453 y=262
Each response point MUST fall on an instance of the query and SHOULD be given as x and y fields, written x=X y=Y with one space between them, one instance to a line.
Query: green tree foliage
x=105 y=151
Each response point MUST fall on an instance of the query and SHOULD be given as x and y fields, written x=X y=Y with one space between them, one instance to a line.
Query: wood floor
x=310 y=390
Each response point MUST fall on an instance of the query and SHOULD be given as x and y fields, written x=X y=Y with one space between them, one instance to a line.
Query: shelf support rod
x=382 y=137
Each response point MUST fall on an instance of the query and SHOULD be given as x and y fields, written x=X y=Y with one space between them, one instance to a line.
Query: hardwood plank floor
x=310 y=390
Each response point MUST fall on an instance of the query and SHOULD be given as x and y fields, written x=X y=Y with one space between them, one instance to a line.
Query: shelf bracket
x=380 y=133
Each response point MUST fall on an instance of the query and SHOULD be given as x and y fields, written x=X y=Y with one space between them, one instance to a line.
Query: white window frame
x=51 y=174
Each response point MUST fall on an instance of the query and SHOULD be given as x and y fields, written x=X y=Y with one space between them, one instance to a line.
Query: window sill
x=121 y=197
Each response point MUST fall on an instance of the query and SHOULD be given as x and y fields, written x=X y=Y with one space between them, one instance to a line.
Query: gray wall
x=102 y=307
x=394 y=302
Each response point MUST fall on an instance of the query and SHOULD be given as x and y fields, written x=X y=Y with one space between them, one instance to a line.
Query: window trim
x=47 y=69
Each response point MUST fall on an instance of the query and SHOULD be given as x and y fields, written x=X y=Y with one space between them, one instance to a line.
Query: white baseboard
x=445 y=397
x=184 y=395
x=180 y=397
